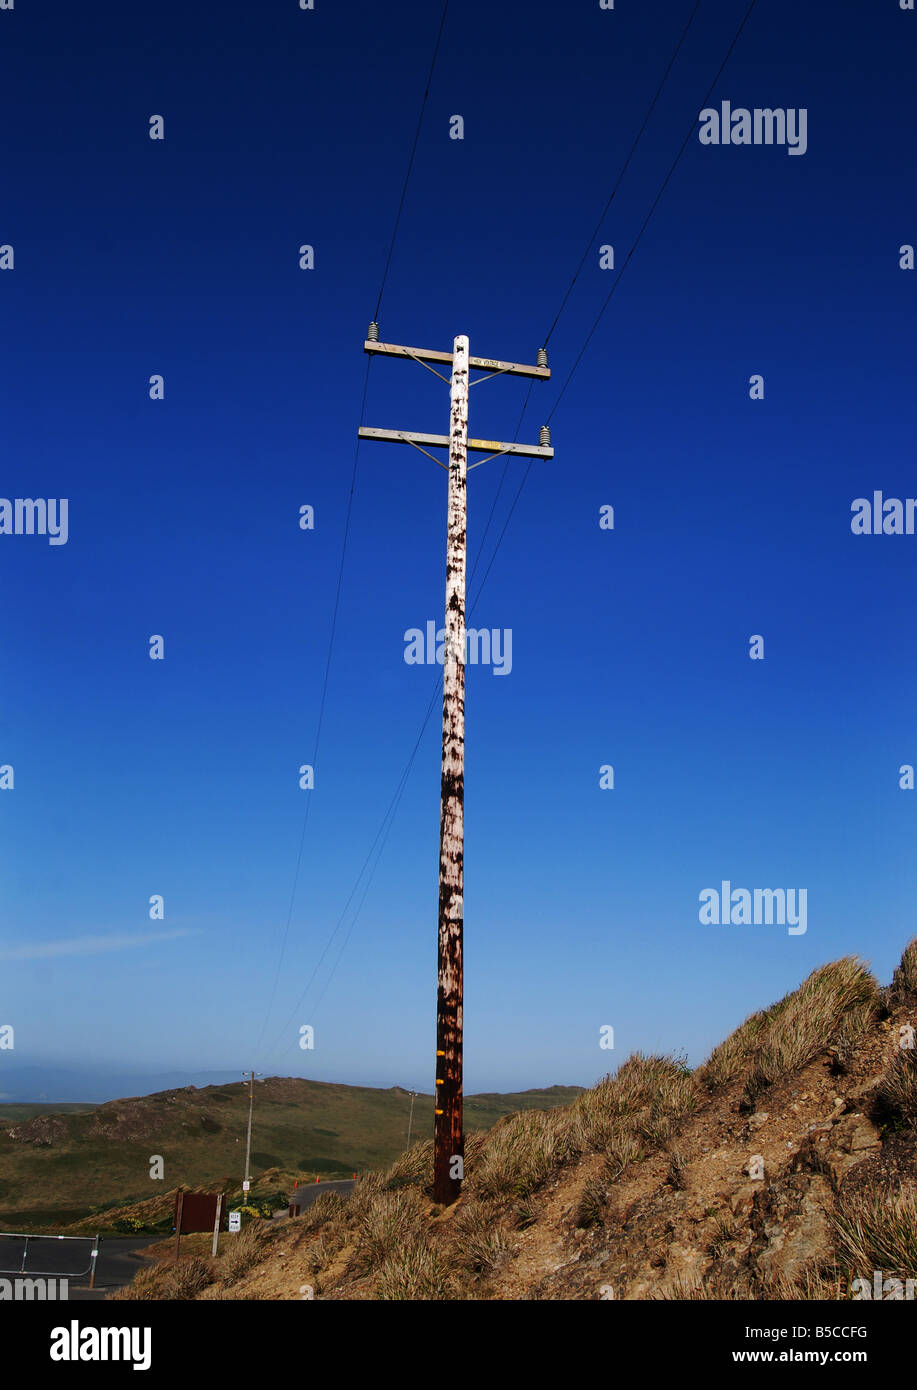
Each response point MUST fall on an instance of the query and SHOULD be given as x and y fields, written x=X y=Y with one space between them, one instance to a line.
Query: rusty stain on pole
x=449 y=1139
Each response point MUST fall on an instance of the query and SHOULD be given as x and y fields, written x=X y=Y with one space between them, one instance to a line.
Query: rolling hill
x=784 y=1168
x=59 y=1166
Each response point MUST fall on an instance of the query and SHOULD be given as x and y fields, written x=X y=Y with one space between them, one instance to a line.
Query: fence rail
x=26 y=1237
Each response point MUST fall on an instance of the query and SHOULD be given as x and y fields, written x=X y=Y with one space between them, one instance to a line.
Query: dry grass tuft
x=482 y=1241
x=414 y=1273
x=637 y=1109
x=591 y=1208
x=520 y=1152
x=386 y=1225
x=413 y=1168
x=242 y=1253
x=329 y=1206
x=363 y=1194
x=904 y=980
x=724 y=1232
x=851 y=1032
x=810 y=1019
x=896 y=1096
x=677 y=1172
x=183 y=1279
x=523 y=1214
x=835 y=1005
x=623 y=1116
x=877 y=1231
x=731 y=1056
x=814 y=1284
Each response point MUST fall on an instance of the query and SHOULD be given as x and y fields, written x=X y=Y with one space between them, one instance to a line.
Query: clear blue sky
x=732 y=518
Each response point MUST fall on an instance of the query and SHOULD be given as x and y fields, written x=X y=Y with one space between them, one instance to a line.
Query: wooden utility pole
x=410 y=1120
x=246 y=1185
x=448 y=1132
x=181 y=1207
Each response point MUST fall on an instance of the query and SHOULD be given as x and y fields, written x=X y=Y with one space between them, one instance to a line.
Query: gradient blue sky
x=179 y=777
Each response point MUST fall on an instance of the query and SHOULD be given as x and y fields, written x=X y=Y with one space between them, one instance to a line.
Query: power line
x=595 y=231
x=404 y=776
x=630 y=253
x=493 y=505
x=321 y=713
x=653 y=206
x=388 y=819
x=423 y=107
x=576 y=274
x=347 y=520
x=385 y=826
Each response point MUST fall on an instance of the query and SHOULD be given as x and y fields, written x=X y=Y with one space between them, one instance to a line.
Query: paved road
x=117 y=1264
x=311 y=1190
x=119 y=1257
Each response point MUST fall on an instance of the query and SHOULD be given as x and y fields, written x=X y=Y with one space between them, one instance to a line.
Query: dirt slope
x=785 y=1167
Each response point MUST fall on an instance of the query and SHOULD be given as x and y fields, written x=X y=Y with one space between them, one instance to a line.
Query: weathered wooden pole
x=448 y=1132
x=178 y=1218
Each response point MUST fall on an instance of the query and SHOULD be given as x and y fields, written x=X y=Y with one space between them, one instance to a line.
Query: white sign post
x=216 y=1223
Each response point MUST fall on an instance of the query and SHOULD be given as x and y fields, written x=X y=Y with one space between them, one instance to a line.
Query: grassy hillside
x=63 y=1163
x=14 y=1112
x=784 y=1168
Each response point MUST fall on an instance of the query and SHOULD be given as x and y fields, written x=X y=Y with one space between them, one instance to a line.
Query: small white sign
x=235 y=1221
x=246 y=1185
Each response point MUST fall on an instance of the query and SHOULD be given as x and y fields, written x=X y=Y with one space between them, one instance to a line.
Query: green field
x=17 y=1111
x=59 y=1164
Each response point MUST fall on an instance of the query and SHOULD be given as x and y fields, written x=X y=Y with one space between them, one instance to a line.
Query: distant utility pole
x=248 y=1143
x=410 y=1120
x=448 y=1133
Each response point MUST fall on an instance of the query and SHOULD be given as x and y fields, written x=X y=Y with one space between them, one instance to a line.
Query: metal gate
x=30 y=1242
